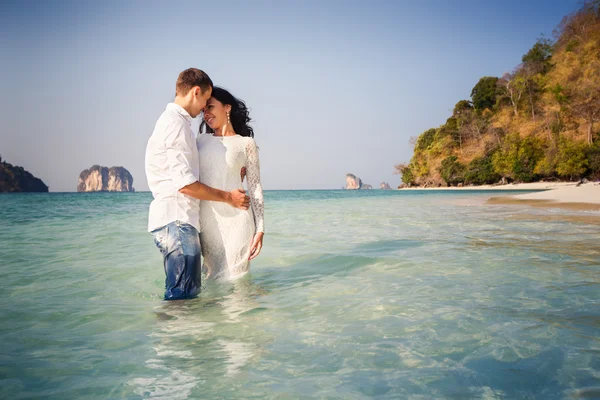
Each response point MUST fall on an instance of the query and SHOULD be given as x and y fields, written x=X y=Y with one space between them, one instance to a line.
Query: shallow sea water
x=382 y=294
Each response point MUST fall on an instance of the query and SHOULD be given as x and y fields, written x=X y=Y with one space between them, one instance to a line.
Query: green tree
x=461 y=107
x=480 y=171
x=593 y=157
x=425 y=139
x=406 y=172
x=452 y=171
x=571 y=161
x=517 y=158
x=546 y=166
x=530 y=152
x=506 y=155
x=537 y=59
x=484 y=93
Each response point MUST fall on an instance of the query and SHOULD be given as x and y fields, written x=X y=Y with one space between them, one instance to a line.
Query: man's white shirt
x=171 y=164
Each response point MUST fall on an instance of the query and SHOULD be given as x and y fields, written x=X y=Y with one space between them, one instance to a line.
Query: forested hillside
x=540 y=121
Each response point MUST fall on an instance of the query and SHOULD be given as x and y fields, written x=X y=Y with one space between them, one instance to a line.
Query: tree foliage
x=17 y=179
x=538 y=58
x=452 y=171
x=480 y=171
x=572 y=161
x=406 y=172
x=542 y=120
x=425 y=139
x=484 y=93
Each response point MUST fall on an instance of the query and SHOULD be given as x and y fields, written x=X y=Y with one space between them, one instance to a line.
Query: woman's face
x=215 y=113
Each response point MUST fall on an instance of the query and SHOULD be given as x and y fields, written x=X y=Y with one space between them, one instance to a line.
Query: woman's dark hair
x=239 y=114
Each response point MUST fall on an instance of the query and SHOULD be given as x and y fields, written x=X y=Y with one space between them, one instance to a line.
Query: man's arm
x=236 y=198
x=179 y=155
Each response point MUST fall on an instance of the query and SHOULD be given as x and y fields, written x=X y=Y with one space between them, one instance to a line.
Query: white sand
x=583 y=197
x=587 y=193
x=566 y=194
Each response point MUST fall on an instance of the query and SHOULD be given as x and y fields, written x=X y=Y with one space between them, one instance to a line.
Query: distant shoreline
x=510 y=186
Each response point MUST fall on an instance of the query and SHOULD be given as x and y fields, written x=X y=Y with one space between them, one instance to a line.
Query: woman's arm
x=255 y=193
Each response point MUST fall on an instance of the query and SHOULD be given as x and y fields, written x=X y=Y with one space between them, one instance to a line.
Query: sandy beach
x=583 y=197
x=558 y=194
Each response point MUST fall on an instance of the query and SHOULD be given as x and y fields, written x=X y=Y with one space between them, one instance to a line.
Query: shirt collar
x=180 y=110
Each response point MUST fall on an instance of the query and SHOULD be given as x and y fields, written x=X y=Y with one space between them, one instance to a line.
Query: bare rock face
x=103 y=179
x=353 y=182
x=384 y=185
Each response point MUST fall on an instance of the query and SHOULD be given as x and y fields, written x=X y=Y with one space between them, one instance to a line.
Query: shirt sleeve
x=255 y=190
x=179 y=156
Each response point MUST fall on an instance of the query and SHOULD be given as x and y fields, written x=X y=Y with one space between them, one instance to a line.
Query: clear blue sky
x=334 y=86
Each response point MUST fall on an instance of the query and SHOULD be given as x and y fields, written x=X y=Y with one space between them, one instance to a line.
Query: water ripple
x=380 y=294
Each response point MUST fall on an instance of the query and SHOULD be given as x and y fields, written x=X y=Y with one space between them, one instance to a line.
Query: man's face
x=199 y=101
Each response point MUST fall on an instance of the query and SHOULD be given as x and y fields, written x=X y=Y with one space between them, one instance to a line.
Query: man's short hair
x=190 y=78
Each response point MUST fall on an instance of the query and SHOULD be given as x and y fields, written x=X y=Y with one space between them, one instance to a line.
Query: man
x=172 y=173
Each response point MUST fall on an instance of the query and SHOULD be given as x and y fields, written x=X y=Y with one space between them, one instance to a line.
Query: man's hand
x=243 y=173
x=200 y=191
x=238 y=199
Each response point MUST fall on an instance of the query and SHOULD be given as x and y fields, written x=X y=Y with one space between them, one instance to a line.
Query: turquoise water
x=384 y=294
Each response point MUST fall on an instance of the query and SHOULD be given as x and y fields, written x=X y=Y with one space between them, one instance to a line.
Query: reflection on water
x=185 y=330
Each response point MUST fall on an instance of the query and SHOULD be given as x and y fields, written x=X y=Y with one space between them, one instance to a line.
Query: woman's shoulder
x=248 y=140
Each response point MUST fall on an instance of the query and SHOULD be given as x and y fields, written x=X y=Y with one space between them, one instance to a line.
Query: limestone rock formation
x=384 y=185
x=17 y=179
x=103 y=179
x=353 y=182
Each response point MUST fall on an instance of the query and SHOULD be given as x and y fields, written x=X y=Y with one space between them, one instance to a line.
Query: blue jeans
x=179 y=244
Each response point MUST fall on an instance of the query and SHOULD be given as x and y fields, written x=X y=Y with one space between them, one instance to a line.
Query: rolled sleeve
x=179 y=156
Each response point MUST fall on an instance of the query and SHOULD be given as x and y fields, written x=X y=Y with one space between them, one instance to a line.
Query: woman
x=230 y=237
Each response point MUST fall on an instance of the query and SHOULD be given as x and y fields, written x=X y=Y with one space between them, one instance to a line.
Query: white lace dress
x=227 y=232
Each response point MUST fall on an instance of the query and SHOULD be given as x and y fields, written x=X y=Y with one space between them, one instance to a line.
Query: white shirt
x=171 y=164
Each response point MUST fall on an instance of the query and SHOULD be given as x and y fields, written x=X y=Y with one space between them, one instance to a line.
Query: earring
x=228 y=120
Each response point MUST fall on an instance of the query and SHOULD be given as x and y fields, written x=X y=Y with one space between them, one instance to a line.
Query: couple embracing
x=200 y=207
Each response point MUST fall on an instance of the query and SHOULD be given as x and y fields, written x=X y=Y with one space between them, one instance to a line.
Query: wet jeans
x=179 y=244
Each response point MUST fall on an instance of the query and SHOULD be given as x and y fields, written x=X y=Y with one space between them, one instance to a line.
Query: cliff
x=103 y=179
x=355 y=183
x=17 y=179
x=540 y=121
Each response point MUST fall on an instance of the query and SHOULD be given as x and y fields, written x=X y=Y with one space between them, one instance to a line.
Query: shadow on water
x=309 y=269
